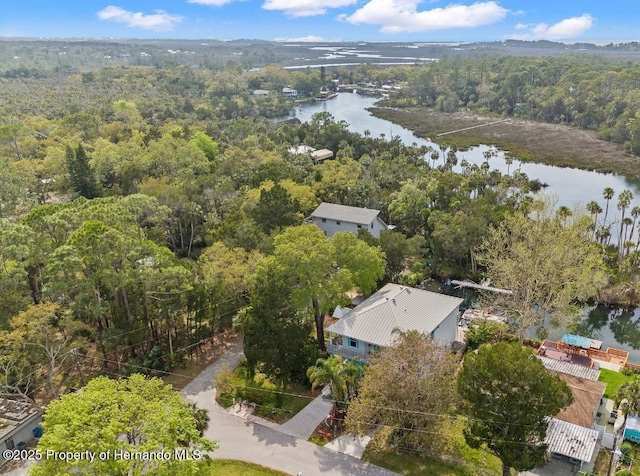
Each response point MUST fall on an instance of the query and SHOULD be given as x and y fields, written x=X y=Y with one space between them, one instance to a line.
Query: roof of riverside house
x=322 y=154
x=586 y=400
x=345 y=213
x=395 y=308
x=570 y=368
x=571 y=440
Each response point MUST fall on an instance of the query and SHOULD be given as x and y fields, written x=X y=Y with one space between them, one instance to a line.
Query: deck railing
x=346 y=352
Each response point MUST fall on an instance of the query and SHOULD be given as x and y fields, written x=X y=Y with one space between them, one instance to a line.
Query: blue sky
x=326 y=20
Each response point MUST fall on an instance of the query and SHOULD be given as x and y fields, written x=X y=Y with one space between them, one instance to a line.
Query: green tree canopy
x=549 y=264
x=277 y=336
x=132 y=415
x=323 y=269
x=508 y=396
x=341 y=374
x=406 y=387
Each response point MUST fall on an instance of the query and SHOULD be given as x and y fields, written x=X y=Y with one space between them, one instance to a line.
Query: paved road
x=243 y=440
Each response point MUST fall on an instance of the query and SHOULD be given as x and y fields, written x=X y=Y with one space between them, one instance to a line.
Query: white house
x=316 y=156
x=394 y=309
x=18 y=419
x=261 y=92
x=332 y=218
x=319 y=156
x=290 y=93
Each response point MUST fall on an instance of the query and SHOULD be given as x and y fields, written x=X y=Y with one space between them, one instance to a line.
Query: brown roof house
x=571 y=434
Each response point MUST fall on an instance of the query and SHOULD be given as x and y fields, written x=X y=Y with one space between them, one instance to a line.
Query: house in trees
x=332 y=218
x=381 y=318
x=18 y=420
x=290 y=93
x=316 y=156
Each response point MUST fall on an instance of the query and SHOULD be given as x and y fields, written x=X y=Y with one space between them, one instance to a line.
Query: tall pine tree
x=81 y=176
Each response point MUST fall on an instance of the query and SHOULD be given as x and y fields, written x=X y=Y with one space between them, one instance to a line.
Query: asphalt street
x=247 y=441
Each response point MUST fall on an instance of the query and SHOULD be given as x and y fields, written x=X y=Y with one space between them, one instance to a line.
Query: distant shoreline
x=528 y=141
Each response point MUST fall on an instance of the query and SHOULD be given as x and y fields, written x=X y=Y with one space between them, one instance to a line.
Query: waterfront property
x=316 y=156
x=381 y=318
x=290 y=93
x=586 y=352
x=573 y=436
x=332 y=218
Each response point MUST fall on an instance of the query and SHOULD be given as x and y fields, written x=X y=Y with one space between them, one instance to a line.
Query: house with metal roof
x=572 y=436
x=381 y=318
x=332 y=218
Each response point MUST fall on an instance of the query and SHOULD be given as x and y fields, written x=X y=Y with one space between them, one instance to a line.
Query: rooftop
x=395 y=308
x=345 y=213
x=571 y=440
x=586 y=396
x=569 y=368
x=13 y=413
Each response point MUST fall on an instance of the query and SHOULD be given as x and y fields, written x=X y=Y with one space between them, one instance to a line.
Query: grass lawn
x=613 y=380
x=455 y=459
x=230 y=467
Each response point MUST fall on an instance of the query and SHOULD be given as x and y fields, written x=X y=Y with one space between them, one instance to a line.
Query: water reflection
x=617 y=327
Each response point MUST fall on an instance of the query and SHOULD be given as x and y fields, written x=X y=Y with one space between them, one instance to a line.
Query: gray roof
x=392 y=308
x=344 y=213
x=570 y=368
x=571 y=440
x=322 y=154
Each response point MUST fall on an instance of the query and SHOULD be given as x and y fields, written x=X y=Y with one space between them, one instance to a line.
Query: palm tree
x=627 y=222
x=624 y=199
x=341 y=375
x=608 y=194
x=603 y=234
x=201 y=416
x=563 y=212
x=630 y=391
x=508 y=160
x=594 y=209
x=635 y=213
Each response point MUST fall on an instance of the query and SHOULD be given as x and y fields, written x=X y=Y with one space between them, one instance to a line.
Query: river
x=615 y=327
x=573 y=187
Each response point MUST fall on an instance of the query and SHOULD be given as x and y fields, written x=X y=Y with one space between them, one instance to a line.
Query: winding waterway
x=614 y=326
x=573 y=187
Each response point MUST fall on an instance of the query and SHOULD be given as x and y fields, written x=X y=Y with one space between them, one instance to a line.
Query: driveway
x=303 y=424
x=243 y=440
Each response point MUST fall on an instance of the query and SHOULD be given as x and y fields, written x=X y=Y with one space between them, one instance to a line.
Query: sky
x=326 y=20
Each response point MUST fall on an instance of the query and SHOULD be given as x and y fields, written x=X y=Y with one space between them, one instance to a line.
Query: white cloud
x=211 y=3
x=158 y=21
x=303 y=39
x=403 y=15
x=567 y=28
x=305 y=8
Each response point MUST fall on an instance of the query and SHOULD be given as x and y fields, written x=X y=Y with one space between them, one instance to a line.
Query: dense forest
x=140 y=206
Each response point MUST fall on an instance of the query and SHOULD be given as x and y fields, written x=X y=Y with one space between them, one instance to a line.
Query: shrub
x=483 y=331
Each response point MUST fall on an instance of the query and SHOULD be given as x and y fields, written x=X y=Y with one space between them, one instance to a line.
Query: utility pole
x=75 y=358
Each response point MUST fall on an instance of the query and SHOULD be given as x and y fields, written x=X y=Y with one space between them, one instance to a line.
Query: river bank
x=528 y=141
